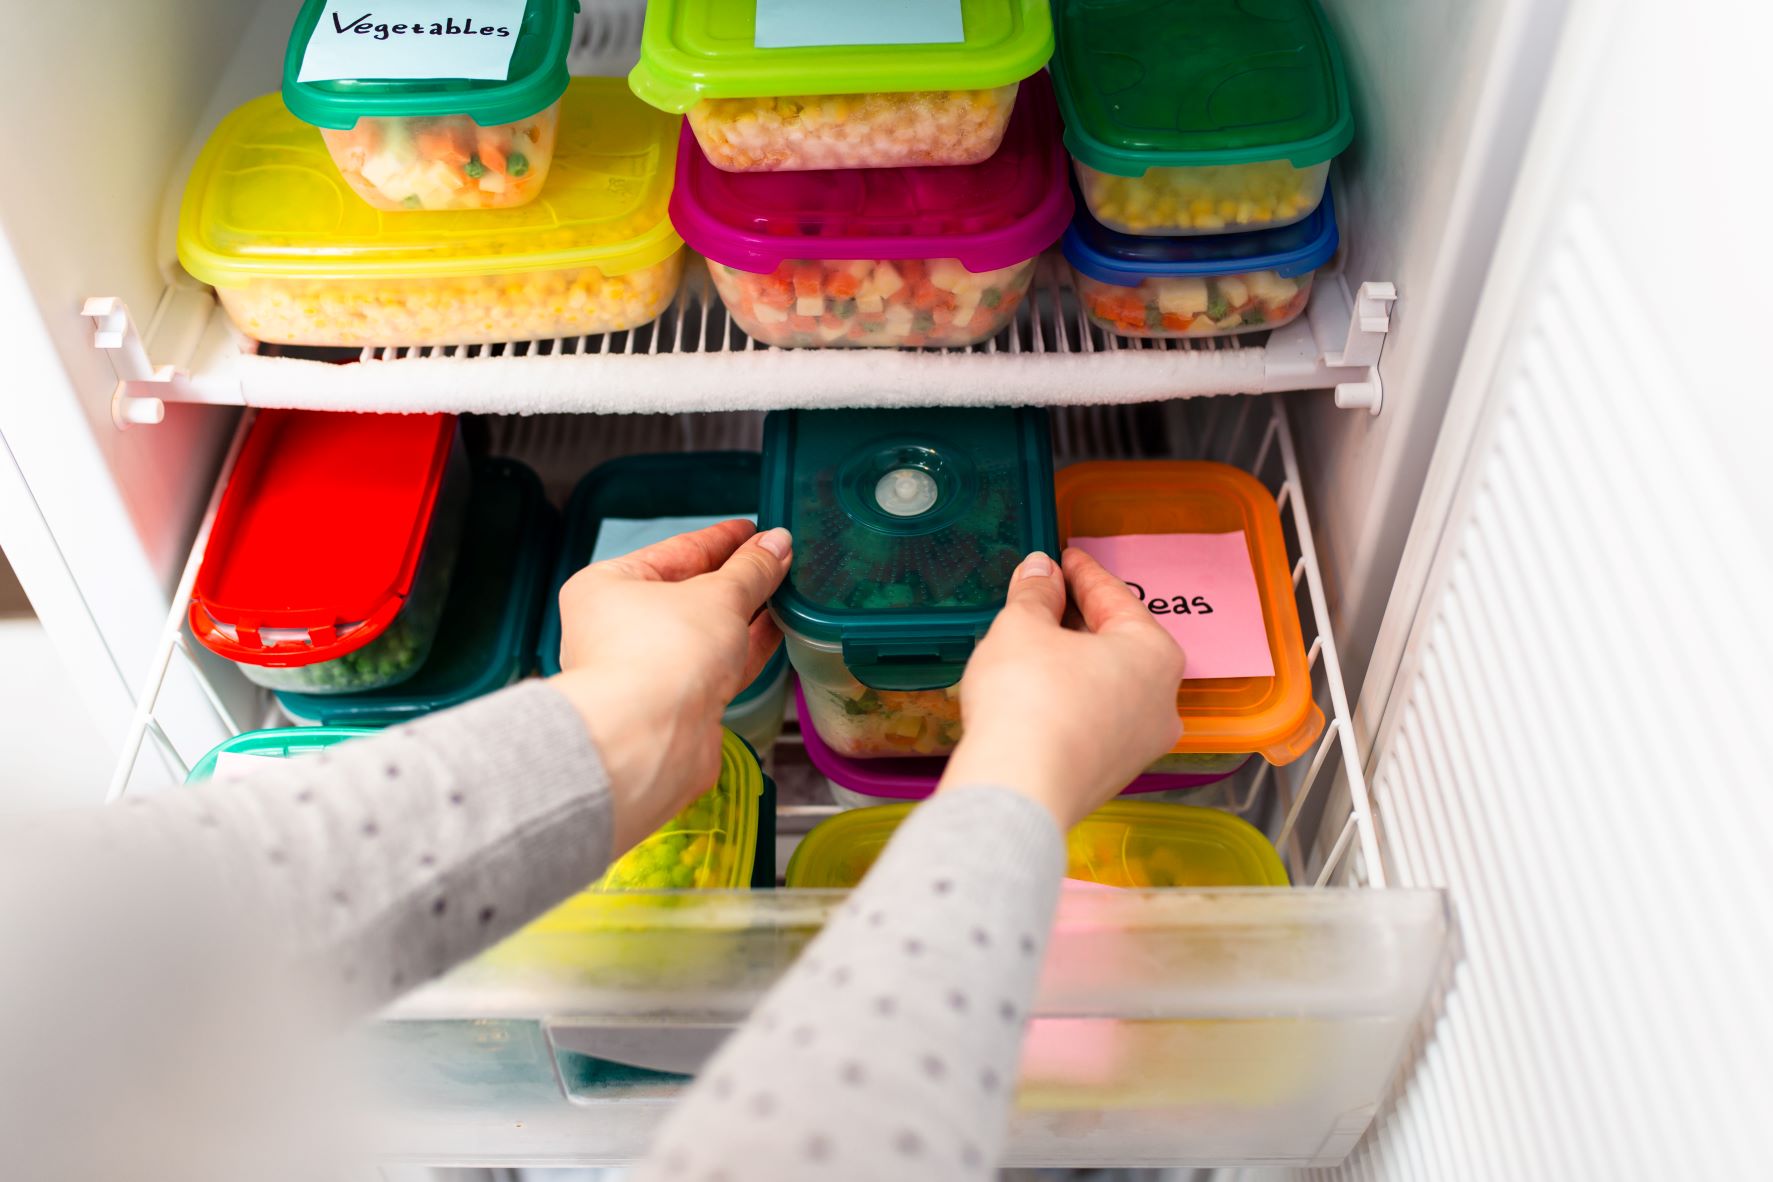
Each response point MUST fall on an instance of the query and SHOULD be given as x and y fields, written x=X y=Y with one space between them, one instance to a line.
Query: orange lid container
x=1274 y=717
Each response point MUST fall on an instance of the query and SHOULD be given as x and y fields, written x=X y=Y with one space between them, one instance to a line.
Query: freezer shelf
x=1171 y=1027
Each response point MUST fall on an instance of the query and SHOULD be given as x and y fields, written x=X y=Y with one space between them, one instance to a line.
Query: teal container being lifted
x=486 y=638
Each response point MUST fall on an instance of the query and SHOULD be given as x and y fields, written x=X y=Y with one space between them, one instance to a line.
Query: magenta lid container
x=914 y=778
x=997 y=213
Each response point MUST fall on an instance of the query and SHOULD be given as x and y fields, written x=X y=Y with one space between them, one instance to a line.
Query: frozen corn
x=1212 y=199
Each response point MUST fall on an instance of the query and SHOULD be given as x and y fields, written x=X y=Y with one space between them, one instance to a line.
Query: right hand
x=1067 y=716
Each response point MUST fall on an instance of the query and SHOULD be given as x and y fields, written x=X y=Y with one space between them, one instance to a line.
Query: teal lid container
x=487 y=635
x=907 y=524
x=287 y=742
x=537 y=75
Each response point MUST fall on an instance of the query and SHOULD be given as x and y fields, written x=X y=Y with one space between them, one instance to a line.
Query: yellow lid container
x=296 y=258
x=1125 y=843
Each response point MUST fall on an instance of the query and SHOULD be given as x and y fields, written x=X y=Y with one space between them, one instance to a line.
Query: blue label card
x=617 y=536
x=787 y=24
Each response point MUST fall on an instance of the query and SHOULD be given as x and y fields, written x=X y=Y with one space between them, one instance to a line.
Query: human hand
x=653 y=646
x=1067 y=716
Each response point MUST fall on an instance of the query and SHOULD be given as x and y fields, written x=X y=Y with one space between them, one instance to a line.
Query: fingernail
x=776 y=541
x=1036 y=566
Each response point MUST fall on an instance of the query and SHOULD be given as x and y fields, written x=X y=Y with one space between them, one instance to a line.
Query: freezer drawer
x=1171 y=1028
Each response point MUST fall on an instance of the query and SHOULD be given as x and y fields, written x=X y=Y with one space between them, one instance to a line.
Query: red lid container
x=330 y=527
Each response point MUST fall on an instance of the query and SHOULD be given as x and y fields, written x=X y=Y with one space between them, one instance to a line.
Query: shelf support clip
x=177 y=325
x=1368 y=321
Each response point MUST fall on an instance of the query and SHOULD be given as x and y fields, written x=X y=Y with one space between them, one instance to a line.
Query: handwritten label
x=786 y=24
x=413 y=39
x=1202 y=589
x=617 y=536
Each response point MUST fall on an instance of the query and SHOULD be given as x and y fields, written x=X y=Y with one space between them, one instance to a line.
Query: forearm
x=890 y=1049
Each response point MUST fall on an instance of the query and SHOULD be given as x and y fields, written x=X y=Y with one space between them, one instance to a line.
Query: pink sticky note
x=1202 y=589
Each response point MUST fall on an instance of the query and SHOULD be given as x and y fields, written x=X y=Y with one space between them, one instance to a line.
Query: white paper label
x=236 y=765
x=413 y=39
x=786 y=24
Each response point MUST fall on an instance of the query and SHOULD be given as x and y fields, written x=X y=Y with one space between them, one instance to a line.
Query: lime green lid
x=702 y=49
x=1145 y=85
x=536 y=78
x=1125 y=843
x=279 y=743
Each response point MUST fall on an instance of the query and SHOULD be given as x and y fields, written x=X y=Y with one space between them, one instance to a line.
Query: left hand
x=654 y=645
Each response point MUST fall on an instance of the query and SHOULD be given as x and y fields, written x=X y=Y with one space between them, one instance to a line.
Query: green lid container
x=486 y=638
x=907 y=524
x=536 y=78
x=1144 y=84
x=280 y=743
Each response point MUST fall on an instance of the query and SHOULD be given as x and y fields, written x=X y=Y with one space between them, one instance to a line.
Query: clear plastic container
x=1224 y=719
x=652 y=497
x=441 y=143
x=839 y=106
x=331 y=555
x=486 y=638
x=929 y=256
x=295 y=260
x=1206 y=286
x=1200 y=118
x=906 y=527
x=711 y=845
x=1125 y=843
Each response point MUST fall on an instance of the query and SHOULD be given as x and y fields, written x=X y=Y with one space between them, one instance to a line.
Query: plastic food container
x=860 y=783
x=441 y=142
x=1200 y=118
x=487 y=637
x=1224 y=719
x=296 y=260
x=646 y=498
x=1125 y=843
x=922 y=256
x=906 y=527
x=330 y=559
x=1208 y=286
x=838 y=105
x=233 y=757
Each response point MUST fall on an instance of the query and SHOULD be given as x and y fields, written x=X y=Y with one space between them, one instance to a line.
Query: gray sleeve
x=890 y=1049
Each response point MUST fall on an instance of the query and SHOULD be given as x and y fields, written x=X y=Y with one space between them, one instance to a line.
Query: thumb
x=747 y=579
x=1037 y=587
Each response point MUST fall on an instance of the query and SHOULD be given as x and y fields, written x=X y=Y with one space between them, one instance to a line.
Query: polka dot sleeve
x=889 y=1050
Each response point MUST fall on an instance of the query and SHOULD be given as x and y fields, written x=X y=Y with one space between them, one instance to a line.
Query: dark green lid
x=1145 y=85
x=907 y=524
x=537 y=77
x=487 y=634
x=284 y=742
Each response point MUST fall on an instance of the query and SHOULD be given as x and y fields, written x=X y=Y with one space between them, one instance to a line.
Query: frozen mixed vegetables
x=1211 y=199
x=1195 y=305
x=857 y=721
x=445 y=162
x=872 y=301
x=451 y=310
x=882 y=130
x=694 y=849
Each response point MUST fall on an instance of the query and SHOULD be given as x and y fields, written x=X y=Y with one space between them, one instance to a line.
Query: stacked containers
x=906 y=529
x=406 y=140
x=1224 y=719
x=295 y=259
x=1210 y=286
x=645 y=498
x=1200 y=118
x=486 y=638
x=911 y=256
x=810 y=105
x=331 y=554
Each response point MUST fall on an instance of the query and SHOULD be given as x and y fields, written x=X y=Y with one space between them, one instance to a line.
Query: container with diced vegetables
x=906 y=527
x=330 y=559
x=1200 y=118
x=1224 y=719
x=915 y=256
x=634 y=501
x=486 y=638
x=1201 y=286
x=417 y=136
x=296 y=260
x=776 y=108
